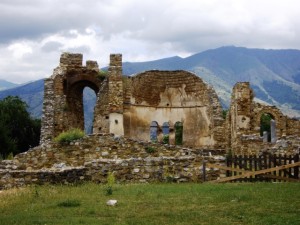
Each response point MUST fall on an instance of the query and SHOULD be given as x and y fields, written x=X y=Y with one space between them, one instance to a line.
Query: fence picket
x=263 y=162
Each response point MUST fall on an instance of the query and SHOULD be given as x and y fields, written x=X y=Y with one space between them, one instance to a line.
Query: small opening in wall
x=107 y=117
x=100 y=128
x=168 y=104
x=116 y=121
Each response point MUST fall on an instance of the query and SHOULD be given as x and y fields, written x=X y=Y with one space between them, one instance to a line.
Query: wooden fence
x=267 y=167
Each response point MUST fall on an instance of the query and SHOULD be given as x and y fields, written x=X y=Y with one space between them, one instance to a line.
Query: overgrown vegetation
x=18 y=131
x=110 y=183
x=167 y=203
x=102 y=75
x=165 y=139
x=150 y=149
x=178 y=133
x=265 y=124
x=68 y=136
x=224 y=113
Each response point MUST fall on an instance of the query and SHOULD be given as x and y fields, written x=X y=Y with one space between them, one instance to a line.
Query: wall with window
x=158 y=100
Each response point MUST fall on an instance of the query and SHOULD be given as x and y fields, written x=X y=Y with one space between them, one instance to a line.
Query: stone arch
x=166 y=132
x=178 y=133
x=267 y=127
x=63 y=104
x=153 y=131
x=74 y=100
x=276 y=115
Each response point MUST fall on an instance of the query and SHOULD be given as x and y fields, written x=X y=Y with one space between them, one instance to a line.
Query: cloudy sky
x=33 y=33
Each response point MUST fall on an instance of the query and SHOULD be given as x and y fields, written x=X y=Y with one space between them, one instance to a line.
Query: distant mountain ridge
x=6 y=85
x=273 y=74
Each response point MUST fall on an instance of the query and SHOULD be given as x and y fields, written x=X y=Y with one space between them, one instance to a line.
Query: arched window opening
x=268 y=127
x=89 y=102
x=166 y=132
x=153 y=131
x=178 y=133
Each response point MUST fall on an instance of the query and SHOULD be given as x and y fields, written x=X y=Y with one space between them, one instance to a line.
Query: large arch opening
x=268 y=127
x=81 y=100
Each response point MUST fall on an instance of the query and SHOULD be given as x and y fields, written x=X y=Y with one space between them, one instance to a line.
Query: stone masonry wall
x=170 y=97
x=93 y=157
x=244 y=121
x=63 y=106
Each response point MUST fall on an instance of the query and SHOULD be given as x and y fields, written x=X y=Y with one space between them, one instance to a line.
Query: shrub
x=165 y=139
x=10 y=156
x=110 y=182
x=150 y=149
x=69 y=136
x=102 y=75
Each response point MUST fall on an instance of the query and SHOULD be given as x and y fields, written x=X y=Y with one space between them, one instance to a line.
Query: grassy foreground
x=245 y=203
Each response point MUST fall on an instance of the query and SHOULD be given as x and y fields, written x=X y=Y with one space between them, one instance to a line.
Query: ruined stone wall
x=280 y=119
x=63 y=106
x=244 y=120
x=91 y=158
x=292 y=127
x=173 y=96
x=109 y=112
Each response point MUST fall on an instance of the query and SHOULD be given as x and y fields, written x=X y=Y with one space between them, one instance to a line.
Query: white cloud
x=19 y=49
x=34 y=32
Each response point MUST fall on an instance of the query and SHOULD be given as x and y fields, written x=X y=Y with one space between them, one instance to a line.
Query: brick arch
x=155 y=82
x=74 y=100
x=276 y=114
x=63 y=103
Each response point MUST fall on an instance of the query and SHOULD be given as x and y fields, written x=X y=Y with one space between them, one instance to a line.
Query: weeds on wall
x=102 y=75
x=165 y=139
x=150 y=149
x=68 y=136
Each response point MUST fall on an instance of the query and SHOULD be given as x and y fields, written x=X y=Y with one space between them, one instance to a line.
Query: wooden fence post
x=204 y=171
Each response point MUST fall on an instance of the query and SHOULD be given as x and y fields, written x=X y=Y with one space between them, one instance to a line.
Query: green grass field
x=241 y=203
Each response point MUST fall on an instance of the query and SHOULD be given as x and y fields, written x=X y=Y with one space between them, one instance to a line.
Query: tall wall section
x=108 y=115
x=63 y=106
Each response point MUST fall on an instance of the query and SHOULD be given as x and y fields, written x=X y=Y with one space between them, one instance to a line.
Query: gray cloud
x=51 y=46
x=141 y=30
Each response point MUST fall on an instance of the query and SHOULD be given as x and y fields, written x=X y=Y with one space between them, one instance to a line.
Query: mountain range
x=274 y=76
x=6 y=85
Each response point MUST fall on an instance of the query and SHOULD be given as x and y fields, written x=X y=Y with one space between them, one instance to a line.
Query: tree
x=18 y=131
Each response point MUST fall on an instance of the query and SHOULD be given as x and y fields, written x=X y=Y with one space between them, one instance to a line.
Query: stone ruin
x=154 y=104
x=151 y=126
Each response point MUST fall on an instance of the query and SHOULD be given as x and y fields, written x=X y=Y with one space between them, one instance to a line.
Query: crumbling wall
x=109 y=112
x=170 y=97
x=244 y=121
x=91 y=158
x=63 y=106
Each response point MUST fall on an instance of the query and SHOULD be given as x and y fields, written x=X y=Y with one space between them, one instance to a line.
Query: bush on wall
x=68 y=136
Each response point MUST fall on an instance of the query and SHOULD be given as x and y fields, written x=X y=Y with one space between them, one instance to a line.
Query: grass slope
x=259 y=203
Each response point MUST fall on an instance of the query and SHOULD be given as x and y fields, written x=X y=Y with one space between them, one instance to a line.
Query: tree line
x=18 y=131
